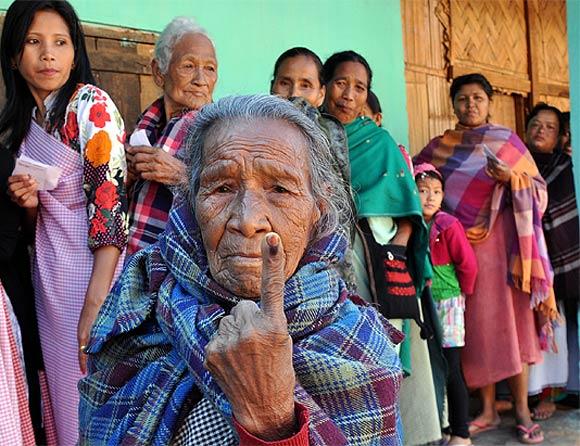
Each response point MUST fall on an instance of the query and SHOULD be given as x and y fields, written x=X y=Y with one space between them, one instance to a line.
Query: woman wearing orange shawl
x=494 y=188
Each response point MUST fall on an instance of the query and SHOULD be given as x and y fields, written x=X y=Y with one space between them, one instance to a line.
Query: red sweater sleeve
x=462 y=256
x=298 y=439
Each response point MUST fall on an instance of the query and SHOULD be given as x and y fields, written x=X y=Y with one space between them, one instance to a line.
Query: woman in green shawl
x=390 y=246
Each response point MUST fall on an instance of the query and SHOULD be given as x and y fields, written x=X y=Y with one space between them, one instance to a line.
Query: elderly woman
x=185 y=67
x=236 y=326
x=494 y=188
x=545 y=129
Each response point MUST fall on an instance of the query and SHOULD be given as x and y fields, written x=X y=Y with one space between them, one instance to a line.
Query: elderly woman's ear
x=158 y=76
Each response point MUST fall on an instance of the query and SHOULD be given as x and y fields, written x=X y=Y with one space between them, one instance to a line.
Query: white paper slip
x=139 y=138
x=45 y=175
x=489 y=153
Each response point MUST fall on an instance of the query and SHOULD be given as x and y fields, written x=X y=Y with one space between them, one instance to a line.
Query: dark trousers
x=457 y=396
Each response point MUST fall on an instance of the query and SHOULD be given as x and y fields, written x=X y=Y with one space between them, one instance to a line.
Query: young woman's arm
x=101 y=139
x=103 y=270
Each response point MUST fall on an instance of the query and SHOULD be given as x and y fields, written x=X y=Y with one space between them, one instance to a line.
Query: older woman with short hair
x=185 y=67
x=236 y=326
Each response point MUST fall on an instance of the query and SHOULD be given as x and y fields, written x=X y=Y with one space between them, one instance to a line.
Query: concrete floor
x=563 y=429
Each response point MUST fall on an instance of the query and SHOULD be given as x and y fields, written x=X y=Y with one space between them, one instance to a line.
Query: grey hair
x=328 y=187
x=171 y=34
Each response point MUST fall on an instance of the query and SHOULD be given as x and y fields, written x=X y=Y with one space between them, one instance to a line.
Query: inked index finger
x=273 y=277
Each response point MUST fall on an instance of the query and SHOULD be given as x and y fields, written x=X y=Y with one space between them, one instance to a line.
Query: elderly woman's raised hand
x=154 y=164
x=250 y=357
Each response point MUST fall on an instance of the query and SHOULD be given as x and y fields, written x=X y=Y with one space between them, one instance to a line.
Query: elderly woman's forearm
x=299 y=438
x=274 y=425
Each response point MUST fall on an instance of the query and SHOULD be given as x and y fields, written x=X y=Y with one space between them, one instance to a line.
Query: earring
x=13 y=66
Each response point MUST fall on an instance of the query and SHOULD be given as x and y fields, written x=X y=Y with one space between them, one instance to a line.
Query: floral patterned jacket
x=94 y=128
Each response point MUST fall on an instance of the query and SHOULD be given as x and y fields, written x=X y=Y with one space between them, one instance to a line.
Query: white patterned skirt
x=451 y=315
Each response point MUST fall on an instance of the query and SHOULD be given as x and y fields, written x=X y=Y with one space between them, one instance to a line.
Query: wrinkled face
x=255 y=179
x=431 y=195
x=346 y=93
x=543 y=131
x=192 y=73
x=47 y=55
x=298 y=77
x=471 y=105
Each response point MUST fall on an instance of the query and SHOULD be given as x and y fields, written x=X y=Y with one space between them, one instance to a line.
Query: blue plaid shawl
x=147 y=348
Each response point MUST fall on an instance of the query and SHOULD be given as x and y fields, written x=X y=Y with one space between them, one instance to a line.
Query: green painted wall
x=250 y=34
x=573 y=12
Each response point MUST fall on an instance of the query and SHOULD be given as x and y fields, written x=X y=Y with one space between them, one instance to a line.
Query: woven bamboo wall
x=426 y=60
x=490 y=36
x=120 y=60
x=549 y=17
x=520 y=45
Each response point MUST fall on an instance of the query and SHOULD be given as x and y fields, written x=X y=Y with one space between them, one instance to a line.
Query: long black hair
x=336 y=59
x=16 y=115
x=295 y=52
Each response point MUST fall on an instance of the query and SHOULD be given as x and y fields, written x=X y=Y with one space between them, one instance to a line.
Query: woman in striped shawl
x=545 y=126
x=495 y=189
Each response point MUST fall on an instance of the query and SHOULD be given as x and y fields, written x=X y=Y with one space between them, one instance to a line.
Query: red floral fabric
x=94 y=128
x=98 y=114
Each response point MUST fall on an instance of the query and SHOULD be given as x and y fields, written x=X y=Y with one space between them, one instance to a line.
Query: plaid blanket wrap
x=147 y=348
x=476 y=200
x=150 y=201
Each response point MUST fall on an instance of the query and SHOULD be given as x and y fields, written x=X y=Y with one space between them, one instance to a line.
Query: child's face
x=431 y=195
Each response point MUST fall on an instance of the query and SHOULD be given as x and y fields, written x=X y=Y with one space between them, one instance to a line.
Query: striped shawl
x=476 y=200
x=151 y=201
x=561 y=223
x=147 y=348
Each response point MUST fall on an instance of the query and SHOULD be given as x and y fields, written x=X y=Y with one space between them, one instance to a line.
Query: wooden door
x=519 y=45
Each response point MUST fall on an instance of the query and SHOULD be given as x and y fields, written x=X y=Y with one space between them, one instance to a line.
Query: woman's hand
x=23 y=190
x=104 y=264
x=86 y=320
x=498 y=170
x=250 y=356
x=154 y=164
